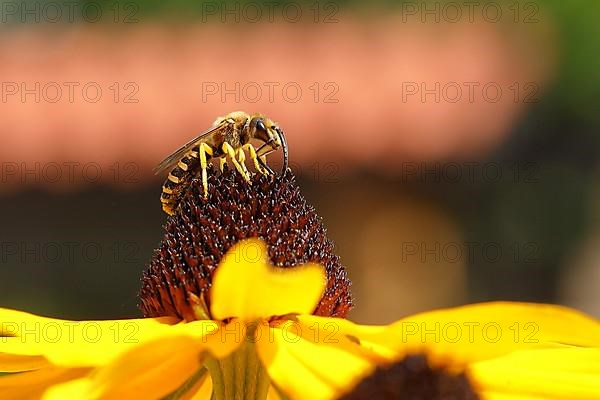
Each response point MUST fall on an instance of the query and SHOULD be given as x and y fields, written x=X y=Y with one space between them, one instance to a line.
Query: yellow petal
x=84 y=343
x=73 y=389
x=18 y=363
x=483 y=331
x=337 y=332
x=458 y=336
x=31 y=385
x=202 y=391
x=155 y=369
x=486 y=395
x=167 y=366
x=378 y=343
x=247 y=287
x=150 y=371
x=565 y=373
x=272 y=394
x=306 y=370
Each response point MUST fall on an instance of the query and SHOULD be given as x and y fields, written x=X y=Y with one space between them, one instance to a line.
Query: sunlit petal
x=31 y=385
x=566 y=373
x=18 y=363
x=203 y=390
x=83 y=343
x=458 y=336
x=488 y=395
x=483 y=331
x=74 y=389
x=153 y=370
x=272 y=394
x=379 y=342
x=335 y=332
x=150 y=371
x=305 y=370
x=247 y=287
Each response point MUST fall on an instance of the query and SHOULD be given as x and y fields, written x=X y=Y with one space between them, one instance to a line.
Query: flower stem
x=239 y=376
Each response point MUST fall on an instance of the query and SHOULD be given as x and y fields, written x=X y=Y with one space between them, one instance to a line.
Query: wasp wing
x=173 y=158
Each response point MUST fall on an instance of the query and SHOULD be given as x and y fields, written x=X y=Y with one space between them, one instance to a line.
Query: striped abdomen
x=178 y=181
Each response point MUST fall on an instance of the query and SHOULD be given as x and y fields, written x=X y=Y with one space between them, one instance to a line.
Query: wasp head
x=265 y=130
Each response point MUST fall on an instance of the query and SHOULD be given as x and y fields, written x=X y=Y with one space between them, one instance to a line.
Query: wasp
x=229 y=137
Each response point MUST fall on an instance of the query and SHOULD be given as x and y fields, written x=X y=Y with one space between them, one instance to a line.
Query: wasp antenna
x=284 y=147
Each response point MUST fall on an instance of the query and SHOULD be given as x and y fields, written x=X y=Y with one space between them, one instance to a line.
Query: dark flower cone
x=202 y=230
x=412 y=379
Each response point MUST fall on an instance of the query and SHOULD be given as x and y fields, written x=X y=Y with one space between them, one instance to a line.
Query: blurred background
x=451 y=147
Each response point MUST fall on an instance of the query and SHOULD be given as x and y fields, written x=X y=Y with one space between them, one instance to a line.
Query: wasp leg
x=263 y=162
x=227 y=149
x=204 y=150
x=262 y=158
x=222 y=162
x=264 y=151
x=254 y=157
x=242 y=160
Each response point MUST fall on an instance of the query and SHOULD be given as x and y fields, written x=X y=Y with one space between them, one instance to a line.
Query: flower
x=246 y=329
x=264 y=335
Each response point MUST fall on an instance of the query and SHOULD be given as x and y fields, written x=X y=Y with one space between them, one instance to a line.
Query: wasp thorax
x=178 y=279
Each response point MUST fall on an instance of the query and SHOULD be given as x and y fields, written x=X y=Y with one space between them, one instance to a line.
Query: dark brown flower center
x=180 y=273
x=413 y=379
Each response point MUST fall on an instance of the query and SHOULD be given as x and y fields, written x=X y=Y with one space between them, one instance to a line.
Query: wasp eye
x=260 y=125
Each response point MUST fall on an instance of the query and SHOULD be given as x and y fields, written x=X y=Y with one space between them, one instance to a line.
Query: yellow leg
x=227 y=149
x=203 y=151
x=242 y=160
x=254 y=157
x=222 y=162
